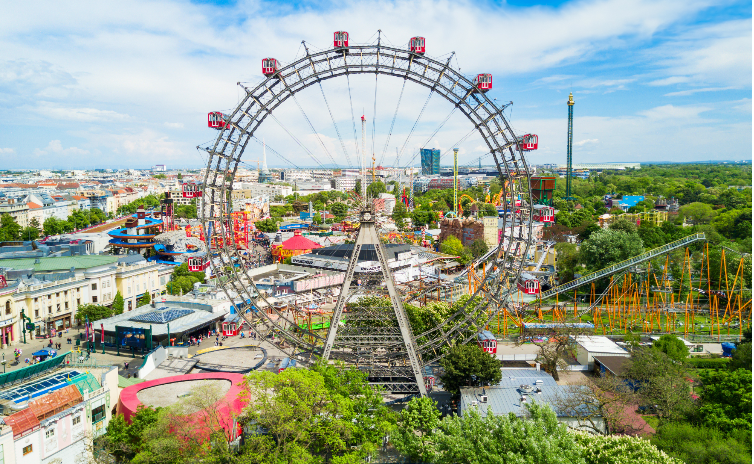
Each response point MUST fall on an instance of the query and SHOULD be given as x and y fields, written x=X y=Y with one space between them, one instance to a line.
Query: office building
x=430 y=160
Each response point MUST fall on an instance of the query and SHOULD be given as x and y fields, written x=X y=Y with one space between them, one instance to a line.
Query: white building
x=589 y=346
x=345 y=183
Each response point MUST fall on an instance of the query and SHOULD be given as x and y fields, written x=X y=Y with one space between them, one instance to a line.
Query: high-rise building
x=430 y=159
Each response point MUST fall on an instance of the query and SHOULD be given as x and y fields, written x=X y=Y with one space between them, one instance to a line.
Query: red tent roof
x=299 y=242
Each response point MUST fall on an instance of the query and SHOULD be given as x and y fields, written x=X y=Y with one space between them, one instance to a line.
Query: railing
x=622 y=265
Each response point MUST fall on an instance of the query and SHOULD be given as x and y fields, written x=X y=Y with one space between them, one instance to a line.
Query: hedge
x=708 y=363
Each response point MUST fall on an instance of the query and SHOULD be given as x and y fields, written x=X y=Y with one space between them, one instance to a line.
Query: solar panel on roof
x=161 y=316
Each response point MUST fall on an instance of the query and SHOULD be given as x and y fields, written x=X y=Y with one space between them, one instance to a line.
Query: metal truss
x=503 y=266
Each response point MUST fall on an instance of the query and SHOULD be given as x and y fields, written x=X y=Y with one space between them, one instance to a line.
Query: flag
x=86 y=325
x=102 y=339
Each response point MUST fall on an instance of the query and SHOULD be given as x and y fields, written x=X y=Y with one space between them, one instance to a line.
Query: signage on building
x=319 y=281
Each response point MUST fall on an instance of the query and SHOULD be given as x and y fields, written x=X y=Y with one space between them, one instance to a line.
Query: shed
x=589 y=346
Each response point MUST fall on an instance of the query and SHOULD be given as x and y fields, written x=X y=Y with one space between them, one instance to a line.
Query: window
x=50 y=433
x=49 y=309
x=129 y=305
x=35 y=300
x=49 y=297
x=7 y=307
x=27 y=450
x=65 y=293
x=94 y=286
x=94 y=299
x=57 y=295
x=98 y=413
x=66 y=306
x=77 y=420
x=36 y=313
x=78 y=302
x=58 y=307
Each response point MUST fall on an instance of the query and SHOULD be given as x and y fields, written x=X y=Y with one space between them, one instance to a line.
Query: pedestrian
x=126 y=363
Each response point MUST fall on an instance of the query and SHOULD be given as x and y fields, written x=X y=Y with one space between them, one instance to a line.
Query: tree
x=124 y=440
x=10 y=230
x=30 y=233
x=451 y=246
x=267 y=225
x=417 y=423
x=35 y=223
x=327 y=413
x=52 y=226
x=118 y=303
x=489 y=210
x=478 y=248
x=339 y=209
x=703 y=445
x=92 y=313
x=554 y=348
x=672 y=346
x=726 y=399
x=624 y=225
x=145 y=300
x=660 y=381
x=469 y=366
x=617 y=449
x=492 y=439
x=741 y=357
x=357 y=187
x=606 y=247
x=568 y=259
x=375 y=188
x=399 y=214
x=698 y=213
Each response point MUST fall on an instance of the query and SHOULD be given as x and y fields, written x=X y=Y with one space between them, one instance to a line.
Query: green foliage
x=708 y=363
x=267 y=225
x=124 y=440
x=452 y=246
x=421 y=217
x=624 y=225
x=185 y=211
x=698 y=213
x=661 y=381
x=357 y=187
x=9 y=228
x=339 y=209
x=606 y=247
x=726 y=399
x=149 y=201
x=30 y=233
x=540 y=439
x=375 y=188
x=672 y=346
x=182 y=280
x=118 y=303
x=478 y=248
x=568 y=260
x=145 y=300
x=489 y=210
x=328 y=413
x=703 y=445
x=417 y=424
x=399 y=214
x=617 y=449
x=92 y=312
x=741 y=357
x=469 y=366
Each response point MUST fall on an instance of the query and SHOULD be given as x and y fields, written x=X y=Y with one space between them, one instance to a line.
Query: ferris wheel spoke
x=353 y=119
x=429 y=139
x=321 y=143
x=411 y=132
x=392 y=123
x=295 y=139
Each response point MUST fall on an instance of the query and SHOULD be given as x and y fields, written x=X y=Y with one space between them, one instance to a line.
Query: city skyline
x=113 y=88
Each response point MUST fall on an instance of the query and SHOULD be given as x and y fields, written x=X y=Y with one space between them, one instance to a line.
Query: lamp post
x=3 y=363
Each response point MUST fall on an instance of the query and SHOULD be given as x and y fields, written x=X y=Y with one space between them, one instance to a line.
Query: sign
x=318 y=282
x=133 y=337
x=30 y=327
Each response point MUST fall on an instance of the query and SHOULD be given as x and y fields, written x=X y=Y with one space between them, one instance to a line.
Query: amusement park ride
x=368 y=327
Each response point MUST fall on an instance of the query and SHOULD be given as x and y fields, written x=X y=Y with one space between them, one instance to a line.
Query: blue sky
x=96 y=84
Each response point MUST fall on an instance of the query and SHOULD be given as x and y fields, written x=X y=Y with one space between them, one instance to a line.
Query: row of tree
x=10 y=230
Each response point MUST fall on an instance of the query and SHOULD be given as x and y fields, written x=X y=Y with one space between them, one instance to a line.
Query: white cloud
x=684 y=93
x=54 y=111
x=670 y=80
x=56 y=147
x=174 y=125
x=7 y=151
x=581 y=143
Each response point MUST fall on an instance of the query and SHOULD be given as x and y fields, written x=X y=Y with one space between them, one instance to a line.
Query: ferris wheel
x=501 y=268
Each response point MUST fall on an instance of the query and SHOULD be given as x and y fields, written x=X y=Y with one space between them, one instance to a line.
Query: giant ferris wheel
x=369 y=344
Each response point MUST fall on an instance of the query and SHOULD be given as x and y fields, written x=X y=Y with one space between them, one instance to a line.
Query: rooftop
x=63 y=263
x=599 y=344
x=182 y=316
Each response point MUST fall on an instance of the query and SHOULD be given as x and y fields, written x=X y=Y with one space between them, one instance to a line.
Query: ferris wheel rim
x=267 y=86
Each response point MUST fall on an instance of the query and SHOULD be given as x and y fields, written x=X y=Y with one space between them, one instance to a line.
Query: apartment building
x=18 y=210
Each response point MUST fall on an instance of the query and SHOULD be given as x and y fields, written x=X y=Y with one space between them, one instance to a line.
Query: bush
x=708 y=363
x=703 y=445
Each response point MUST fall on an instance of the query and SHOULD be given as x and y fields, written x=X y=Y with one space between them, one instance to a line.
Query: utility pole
x=569 y=160
x=455 y=181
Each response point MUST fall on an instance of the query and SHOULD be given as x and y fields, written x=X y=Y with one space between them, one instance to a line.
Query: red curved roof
x=299 y=242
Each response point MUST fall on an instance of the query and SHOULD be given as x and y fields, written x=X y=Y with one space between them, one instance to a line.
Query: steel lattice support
x=503 y=266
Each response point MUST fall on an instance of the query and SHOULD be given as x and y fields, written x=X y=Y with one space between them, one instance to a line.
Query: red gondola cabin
x=543 y=213
x=231 y=329
x=216 y=120
x=191 y=191
x=269 y=66
x=416 y=44
x=197 y=264
x=528 y=284
x=529 y=142
x=340 y=39
x=483 y=82
x=487 y=342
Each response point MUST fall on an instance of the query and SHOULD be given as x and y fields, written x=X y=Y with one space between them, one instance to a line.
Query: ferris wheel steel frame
x=504 y=266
